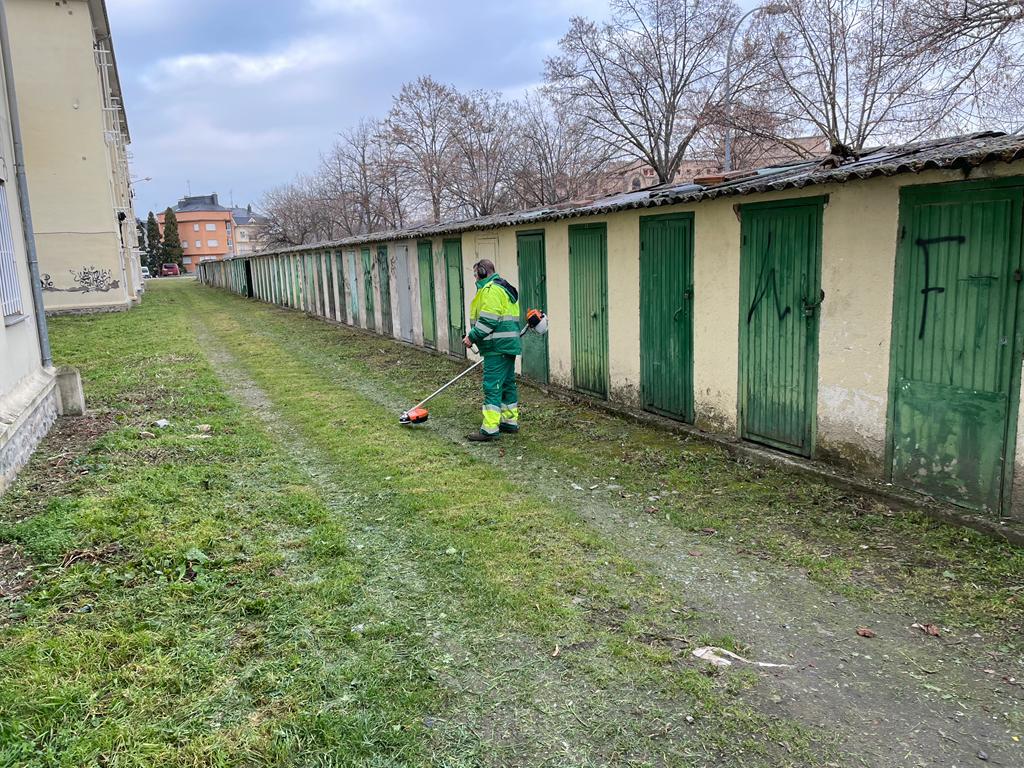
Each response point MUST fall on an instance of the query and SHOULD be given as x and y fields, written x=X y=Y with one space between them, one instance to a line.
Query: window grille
x=10 y=285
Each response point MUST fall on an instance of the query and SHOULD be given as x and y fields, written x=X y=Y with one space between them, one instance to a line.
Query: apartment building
x=29 y=399
x=249 y=230
x=76 y=139
x=747 y=153
x=206 y=228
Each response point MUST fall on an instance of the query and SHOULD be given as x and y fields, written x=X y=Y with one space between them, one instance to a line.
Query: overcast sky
x=235 y=97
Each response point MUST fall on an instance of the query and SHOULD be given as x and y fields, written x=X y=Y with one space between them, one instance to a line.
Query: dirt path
x=900 y=698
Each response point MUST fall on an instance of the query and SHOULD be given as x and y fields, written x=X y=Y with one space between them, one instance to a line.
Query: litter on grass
x=720 y=657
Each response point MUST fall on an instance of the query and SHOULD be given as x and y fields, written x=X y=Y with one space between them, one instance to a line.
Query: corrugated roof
x=964 y=152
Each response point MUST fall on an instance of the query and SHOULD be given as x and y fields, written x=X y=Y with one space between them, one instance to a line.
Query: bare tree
x=296 y=213
x=858 y=70
x=981 y=46
x=421 y=123
x=556 y=157
x=361 y=182
x=647 y=81
x=483 y=139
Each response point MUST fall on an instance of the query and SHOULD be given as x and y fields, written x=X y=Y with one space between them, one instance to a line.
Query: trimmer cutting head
x=414 y=416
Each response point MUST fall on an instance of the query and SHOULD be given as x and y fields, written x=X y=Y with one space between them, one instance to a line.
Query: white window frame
x=195 y=227
x=211 y=227
x=213 y=244
x=186 y=259
x=199 y=243
x=10 y=281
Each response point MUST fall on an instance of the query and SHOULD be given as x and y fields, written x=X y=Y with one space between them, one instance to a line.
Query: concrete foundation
x=26 y=415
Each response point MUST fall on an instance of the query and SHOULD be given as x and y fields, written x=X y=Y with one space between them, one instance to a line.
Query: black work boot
x=509 y=429
x=481 y=437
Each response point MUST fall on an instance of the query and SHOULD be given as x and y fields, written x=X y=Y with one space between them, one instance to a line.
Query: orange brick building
x=206 y=229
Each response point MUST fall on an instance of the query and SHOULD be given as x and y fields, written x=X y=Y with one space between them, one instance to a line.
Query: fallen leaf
x=555 y=653
x=928 y=629
x=865 y=632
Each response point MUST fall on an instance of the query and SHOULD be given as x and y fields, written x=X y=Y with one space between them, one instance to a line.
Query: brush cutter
x=536 y=321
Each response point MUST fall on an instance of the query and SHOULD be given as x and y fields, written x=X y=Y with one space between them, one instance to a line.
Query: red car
x=170 y=270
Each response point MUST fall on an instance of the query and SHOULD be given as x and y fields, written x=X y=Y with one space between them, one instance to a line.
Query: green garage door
x=453 y=284
x=533 y=294
x=780 y=292
x=339 y=284
x=425 y=257
x=588 y=307
x=368 y=289
x=353 y=287
x=956 y=352
x=384 y=275
x=666 y=315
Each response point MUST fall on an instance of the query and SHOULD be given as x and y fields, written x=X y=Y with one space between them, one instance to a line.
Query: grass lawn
x=283 y=576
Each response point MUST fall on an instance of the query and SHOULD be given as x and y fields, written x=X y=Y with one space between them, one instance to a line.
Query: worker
x=494 y=328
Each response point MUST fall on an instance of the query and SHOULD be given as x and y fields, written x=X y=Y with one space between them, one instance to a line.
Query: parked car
x=170 y=270
x=145 y=273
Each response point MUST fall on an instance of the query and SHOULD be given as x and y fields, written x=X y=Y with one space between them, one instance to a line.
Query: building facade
x=206 y=228
x=747 y=153
x=250 y=229
x=76 y=139
x=28 y=394
x=866 y=314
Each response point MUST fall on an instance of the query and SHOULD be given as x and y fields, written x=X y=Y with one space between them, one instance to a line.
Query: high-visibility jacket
x=494 y=317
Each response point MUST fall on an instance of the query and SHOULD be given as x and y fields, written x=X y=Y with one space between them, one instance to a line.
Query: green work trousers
x=501 y=397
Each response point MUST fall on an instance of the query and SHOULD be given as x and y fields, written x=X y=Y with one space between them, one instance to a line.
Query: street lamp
x=771 y=9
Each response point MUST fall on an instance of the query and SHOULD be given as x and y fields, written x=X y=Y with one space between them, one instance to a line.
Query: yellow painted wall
x=71 y=179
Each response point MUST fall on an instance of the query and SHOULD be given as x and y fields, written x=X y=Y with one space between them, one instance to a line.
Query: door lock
x=810 y=307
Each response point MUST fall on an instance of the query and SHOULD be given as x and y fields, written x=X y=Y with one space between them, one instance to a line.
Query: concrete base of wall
x=26 y=415
x=96 y=310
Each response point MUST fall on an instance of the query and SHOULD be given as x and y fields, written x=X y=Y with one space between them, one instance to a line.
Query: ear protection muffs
x=479 y=271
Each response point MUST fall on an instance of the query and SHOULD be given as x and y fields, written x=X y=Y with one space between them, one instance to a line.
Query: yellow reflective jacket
x=494 y=317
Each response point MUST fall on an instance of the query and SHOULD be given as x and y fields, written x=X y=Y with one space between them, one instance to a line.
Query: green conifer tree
x=171 y=251
x=154 y=244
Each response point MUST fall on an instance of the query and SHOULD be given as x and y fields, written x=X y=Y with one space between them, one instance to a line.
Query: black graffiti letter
x=766 y=281
x=928 y=287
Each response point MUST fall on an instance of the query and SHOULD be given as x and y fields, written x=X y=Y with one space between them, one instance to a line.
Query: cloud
x=302 y=55
x=203 y=136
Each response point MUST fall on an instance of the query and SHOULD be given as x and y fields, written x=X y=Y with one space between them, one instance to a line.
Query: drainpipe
x=22 y=182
